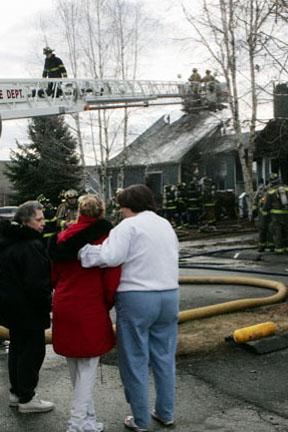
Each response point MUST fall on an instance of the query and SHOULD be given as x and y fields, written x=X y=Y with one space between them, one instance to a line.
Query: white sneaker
x=35 y=405
x=99 y=427
x=13 y=400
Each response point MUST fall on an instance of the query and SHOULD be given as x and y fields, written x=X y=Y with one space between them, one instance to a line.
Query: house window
x=221 y=176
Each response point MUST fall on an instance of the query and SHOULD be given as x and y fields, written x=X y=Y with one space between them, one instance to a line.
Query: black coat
x=68 y=249
x=25 y=278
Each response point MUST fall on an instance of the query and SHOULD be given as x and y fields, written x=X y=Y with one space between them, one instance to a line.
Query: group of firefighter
x=190 y=204
x=194 y=205
x=196 y=81
x=271 y=208
x=59 y=218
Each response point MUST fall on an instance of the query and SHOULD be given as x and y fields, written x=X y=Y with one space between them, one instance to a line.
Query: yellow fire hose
x=234 y=305
x=207 y=311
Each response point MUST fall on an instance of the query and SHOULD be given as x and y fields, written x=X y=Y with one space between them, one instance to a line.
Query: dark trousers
x=53 y=90
x=264 y=230
x=279 y=228
x=26 y=354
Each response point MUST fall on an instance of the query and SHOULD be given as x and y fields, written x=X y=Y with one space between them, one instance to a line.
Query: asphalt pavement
x=229 y=392
x=226 y=390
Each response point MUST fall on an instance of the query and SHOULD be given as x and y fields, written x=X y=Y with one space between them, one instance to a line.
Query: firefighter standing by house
x=67 y=211
x=53 y=68
x=277 y=206
x=193 y=203
x=181 y=204
x=265 y=240
x=208 y=199
x=169 y=205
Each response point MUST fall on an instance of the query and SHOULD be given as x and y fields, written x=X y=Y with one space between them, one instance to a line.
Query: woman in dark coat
x=82 y=329
x=25 y=299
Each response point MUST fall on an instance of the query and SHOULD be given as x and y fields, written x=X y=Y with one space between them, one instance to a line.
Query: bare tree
x=69 y=12
x=111 y=49
x=232 y=32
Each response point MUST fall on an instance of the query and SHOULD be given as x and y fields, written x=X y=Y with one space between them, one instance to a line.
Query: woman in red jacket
x=82 y=329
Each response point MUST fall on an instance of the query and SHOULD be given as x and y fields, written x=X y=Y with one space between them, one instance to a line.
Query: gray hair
x=26 y=210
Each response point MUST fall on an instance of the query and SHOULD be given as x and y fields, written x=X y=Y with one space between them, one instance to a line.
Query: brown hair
x=91 y=205
x=137 y=198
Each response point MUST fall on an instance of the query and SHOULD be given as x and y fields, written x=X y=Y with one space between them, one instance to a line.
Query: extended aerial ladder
x=24 y=98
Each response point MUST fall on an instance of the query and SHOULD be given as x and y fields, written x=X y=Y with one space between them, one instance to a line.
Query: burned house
x=271 y=147
x=174 y=152
x=271 y=152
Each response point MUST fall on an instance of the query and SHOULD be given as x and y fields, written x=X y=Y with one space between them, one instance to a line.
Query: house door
x=154 y=182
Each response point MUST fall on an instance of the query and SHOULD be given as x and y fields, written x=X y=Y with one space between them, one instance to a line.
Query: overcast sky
x=19 y=36
x=16 y=34
x=20 y=39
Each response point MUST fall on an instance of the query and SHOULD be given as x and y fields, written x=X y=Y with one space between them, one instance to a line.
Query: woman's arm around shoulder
x=113 y=251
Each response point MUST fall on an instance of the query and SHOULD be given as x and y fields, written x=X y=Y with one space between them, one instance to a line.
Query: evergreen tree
x=48 y=164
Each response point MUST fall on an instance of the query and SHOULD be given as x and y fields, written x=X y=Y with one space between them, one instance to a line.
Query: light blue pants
x=147 y=335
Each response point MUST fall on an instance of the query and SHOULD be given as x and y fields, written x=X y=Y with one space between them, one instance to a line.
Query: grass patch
x=207 y=334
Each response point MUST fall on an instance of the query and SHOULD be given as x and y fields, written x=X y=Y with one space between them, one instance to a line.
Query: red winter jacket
x=81 y=325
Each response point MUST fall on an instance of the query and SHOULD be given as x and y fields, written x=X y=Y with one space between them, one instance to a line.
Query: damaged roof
x=225 y=143
x=166 y=142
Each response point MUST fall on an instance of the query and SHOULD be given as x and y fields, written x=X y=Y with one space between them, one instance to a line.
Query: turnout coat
x=81 y=325
x=54 y=68
x=25 y=278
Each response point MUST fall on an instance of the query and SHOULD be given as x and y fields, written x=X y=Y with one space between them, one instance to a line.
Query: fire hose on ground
x=217 y=309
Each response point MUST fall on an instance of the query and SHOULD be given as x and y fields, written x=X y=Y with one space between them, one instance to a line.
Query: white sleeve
x=111 y=253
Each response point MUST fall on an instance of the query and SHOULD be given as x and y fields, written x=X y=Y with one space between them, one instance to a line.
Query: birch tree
x=69 y=12
x=232 y=33
x=111 y=49
x=126 y=22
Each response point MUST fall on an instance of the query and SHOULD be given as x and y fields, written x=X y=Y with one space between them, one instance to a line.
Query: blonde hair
x=91 y=205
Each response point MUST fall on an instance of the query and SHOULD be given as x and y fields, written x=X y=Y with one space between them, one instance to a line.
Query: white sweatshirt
x=147 y=248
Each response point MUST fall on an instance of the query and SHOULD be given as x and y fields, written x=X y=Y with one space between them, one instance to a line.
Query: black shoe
x=41 y=93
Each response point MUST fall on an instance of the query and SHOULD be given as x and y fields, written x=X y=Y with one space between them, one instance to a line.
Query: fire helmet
x=274 y=178
x=47 y=50
x=71 y=193
x=42 y=199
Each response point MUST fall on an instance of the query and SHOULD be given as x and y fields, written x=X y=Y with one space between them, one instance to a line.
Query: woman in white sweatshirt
x=146 y=246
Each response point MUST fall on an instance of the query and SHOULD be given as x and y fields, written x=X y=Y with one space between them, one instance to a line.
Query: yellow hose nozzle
x=256 y=331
